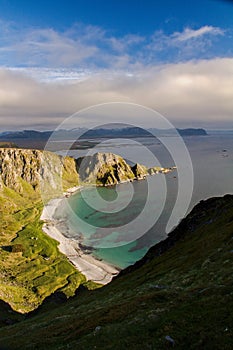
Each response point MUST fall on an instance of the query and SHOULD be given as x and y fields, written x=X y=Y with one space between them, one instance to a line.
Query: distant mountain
x=140 y=132
x=25 y=134
x=38 y=139
x=192 y=132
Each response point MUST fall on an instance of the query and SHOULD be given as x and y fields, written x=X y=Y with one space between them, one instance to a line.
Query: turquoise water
x=105 y=219
x=121 y=256
x=109 y=221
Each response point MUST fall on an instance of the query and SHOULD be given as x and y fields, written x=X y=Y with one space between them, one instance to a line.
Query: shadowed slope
x=180 y=294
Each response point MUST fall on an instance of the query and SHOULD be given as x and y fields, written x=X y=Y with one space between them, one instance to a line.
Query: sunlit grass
x=31 y=266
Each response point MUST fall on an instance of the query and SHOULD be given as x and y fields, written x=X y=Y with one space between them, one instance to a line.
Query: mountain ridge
x=38 y=139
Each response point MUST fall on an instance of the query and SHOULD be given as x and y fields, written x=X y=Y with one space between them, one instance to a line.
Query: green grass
x=31 y=266
x=184 y=292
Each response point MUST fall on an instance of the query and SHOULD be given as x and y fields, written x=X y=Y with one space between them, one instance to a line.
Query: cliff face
x=110 y=169
x=17 y=165
x=31 y=266
x=104 y=169
x=51 y=174
x=140 y=171
x=38 y=169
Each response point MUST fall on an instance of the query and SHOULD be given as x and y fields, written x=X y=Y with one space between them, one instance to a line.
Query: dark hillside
x=179 y=295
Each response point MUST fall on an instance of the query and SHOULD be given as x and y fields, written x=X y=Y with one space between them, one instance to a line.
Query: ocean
x=119 y=224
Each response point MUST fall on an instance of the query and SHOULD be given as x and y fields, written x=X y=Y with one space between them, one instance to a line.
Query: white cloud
x=192 y=93
x=92 y=47
x=90 y=66
x=189 y=33
x=78 y=46
x=51 y=75
x=190 y=43
x=124 y=43
x=47 y=47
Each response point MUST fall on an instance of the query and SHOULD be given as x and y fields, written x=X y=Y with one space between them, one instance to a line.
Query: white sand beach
x=94 y=269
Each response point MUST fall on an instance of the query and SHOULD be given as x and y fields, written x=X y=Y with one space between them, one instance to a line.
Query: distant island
x=38 y=139
x=192 y=132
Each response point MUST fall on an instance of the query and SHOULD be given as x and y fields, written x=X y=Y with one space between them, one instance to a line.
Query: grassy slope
x=31 y=266
x=182 y=291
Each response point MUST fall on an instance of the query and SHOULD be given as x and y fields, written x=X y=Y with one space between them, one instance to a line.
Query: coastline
x=93 y=269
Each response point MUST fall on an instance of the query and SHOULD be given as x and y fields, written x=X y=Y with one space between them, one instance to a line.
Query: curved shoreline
x=93 y=269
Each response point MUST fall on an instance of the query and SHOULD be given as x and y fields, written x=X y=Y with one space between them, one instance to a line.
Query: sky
x=57 y=57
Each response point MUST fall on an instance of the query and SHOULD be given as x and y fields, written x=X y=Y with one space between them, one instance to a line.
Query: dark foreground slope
x=180 y=295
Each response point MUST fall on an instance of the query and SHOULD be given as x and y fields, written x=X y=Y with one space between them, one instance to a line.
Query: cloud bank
x=47 y=74
x=194 y=93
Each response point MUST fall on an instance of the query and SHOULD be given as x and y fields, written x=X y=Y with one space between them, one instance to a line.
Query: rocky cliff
x=104 y=169
x=140 y=171
x=31 y=266
x=51 y=174
x=48 y=172
x=110 y=169
x=39 y=169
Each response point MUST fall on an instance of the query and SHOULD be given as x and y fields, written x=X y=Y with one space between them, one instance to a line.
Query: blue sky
x=121 y=17
x=102 y=34
x=116 y=49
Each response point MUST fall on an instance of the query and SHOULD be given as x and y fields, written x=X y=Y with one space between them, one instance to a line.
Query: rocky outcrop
x=39 y=169
x=153 y=171
x=104 y=169
x=140 y=171
x=17 y=165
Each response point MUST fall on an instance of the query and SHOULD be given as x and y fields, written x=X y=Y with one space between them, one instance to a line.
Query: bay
x=100 y=217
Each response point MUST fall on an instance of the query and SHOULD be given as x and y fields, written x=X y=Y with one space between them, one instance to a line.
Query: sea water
x=112 y=229
x=102 y=225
